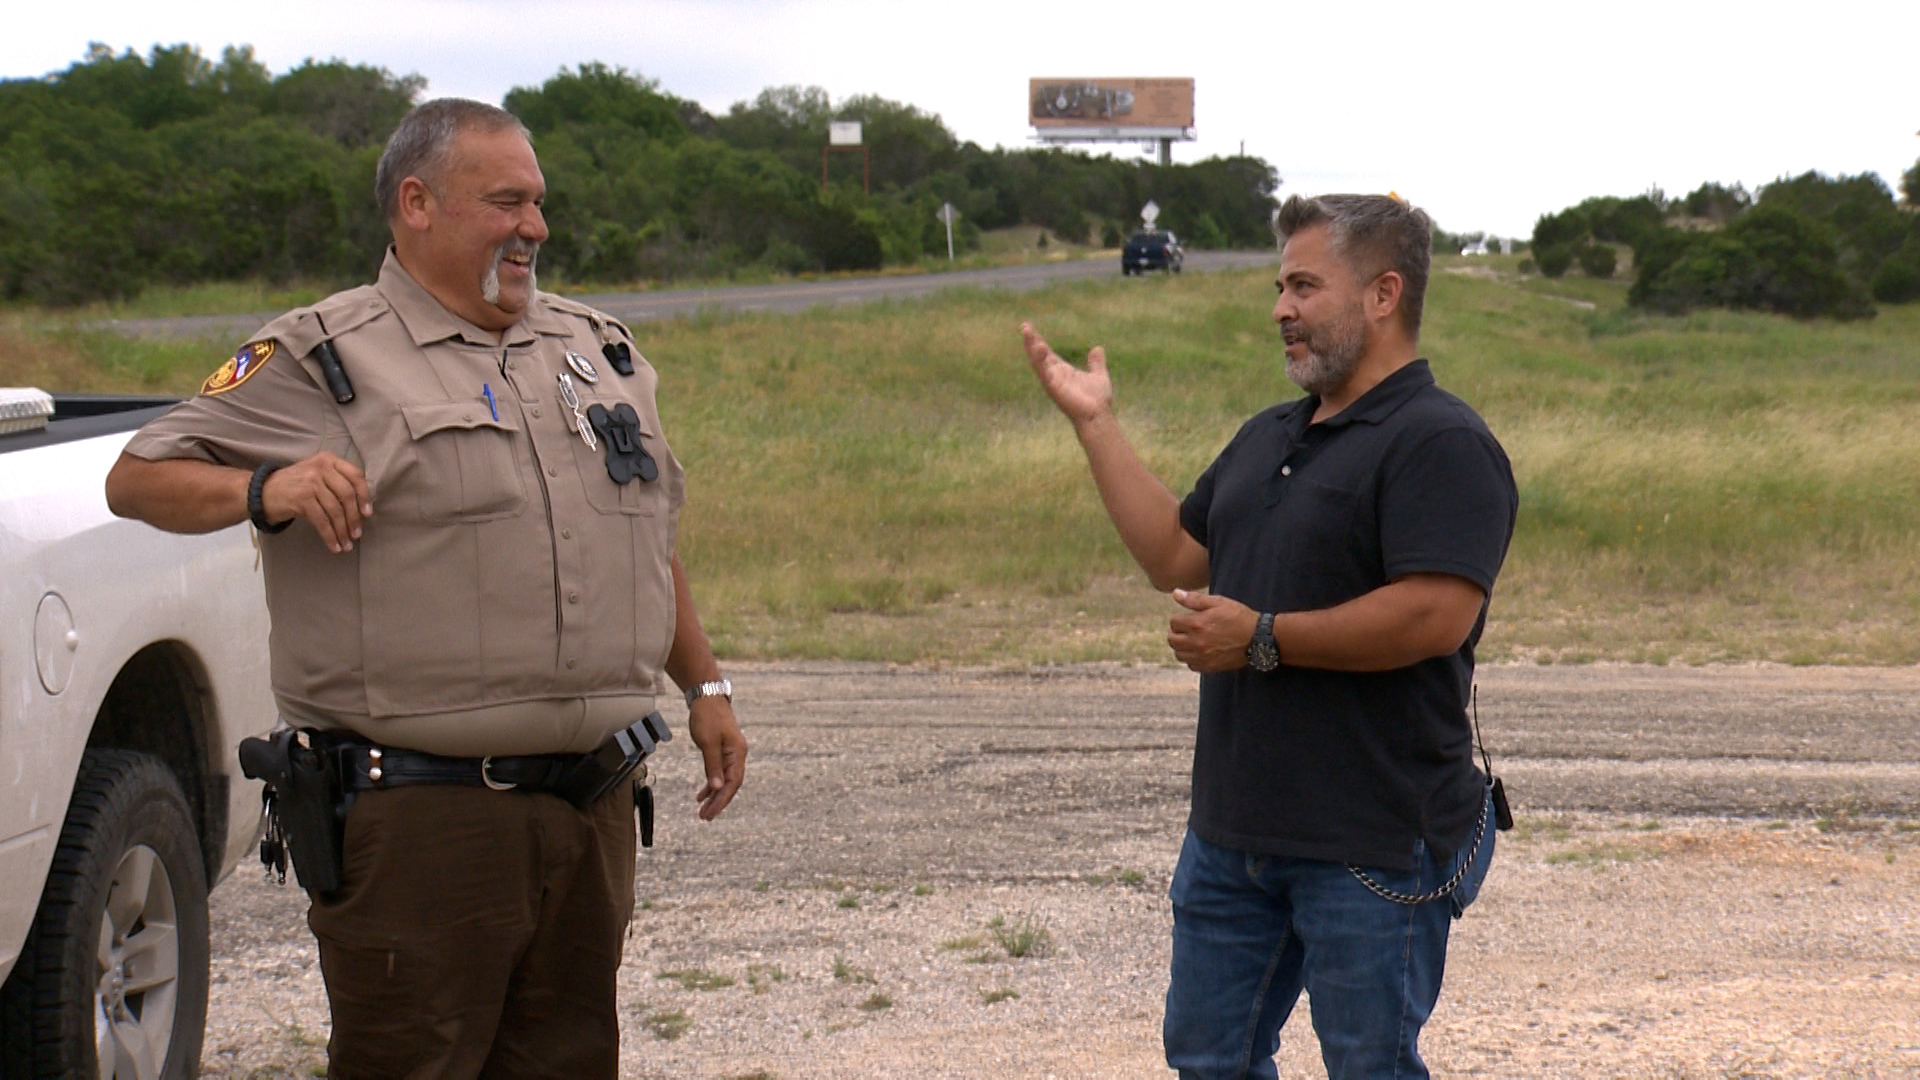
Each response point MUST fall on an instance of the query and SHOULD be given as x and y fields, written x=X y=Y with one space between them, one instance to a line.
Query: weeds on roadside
x=1116 y=876
x=696 y=978
x=996 y=996
x=876 y=1002
x=1601 y=855
x=847 y=973
x=1026 y=935
x=761 y=977
x=849 y=902
x=667 y=1024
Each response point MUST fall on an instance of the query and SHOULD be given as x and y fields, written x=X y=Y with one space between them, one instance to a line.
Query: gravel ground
x=1714 y=875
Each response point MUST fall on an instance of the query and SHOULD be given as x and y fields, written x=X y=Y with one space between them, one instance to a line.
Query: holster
x=304 y=803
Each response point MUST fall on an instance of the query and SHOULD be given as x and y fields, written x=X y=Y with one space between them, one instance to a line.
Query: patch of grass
x=1720 y=486
x=964 y=943
x=696 y=979
x=762 y=885
x=998 y=995
x=763 y=977
x=667 y=1024
x=876 y=1002
x=1552 y=829
x=1116 y=876
x=1602 y=854
x=848 y=901
x=921 y=888
x=1025 y=935
x=1906 y=826
x=849 y=974
x=1845 y=818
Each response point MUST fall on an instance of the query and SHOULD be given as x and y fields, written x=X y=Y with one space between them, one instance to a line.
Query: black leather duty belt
x=364 y=767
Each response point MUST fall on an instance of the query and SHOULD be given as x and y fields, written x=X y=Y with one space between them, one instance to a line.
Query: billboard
x=1111 y=108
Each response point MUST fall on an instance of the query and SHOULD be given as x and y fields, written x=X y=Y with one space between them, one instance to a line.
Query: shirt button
x=570 y=662
x=1286 y=470
x=573 y=598
x=566 y=534
x=536 y=414
x=553 y=470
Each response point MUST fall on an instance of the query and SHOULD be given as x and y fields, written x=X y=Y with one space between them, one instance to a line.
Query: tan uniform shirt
x=507 y=596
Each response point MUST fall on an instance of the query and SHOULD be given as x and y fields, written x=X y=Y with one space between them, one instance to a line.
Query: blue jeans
x=1251 y=931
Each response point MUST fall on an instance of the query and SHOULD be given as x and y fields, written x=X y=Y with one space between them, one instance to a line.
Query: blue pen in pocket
x=486 y=391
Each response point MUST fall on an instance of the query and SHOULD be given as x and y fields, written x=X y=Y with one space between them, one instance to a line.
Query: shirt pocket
x=464 y=462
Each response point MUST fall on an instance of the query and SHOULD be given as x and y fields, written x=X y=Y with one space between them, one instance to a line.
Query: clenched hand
x=327 y=492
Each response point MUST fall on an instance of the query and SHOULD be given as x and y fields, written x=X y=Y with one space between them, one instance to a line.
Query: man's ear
x=1383 y=296
x=415 y=201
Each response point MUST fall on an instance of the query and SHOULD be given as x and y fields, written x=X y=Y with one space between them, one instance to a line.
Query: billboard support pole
x=1166 y=153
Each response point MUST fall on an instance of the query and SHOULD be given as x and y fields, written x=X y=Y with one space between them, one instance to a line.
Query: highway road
x=633 y=307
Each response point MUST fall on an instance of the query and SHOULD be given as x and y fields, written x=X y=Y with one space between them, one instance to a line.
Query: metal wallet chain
x=1466 y=864
x=1479 y=837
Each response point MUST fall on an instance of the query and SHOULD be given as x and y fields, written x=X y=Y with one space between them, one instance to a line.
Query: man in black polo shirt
x=1349 y=542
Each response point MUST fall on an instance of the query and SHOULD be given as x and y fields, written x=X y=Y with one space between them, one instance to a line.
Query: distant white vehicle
x=121 y=799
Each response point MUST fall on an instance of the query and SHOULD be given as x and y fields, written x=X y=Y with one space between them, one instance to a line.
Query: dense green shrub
x=1716 y=202
x=1897 y=281
x=1867 y=226
x=1910 y=185
x=1567 y=229
x=1599 y=260
x=1555 y=260
x=1770 y=258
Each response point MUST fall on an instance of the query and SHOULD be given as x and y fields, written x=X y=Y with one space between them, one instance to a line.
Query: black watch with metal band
x=1263 y=653
x=256 y=510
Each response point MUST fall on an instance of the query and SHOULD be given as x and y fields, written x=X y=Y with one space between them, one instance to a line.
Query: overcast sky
x=1487 y=114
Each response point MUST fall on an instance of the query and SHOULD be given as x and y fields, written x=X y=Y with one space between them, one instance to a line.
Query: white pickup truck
x=132 y=664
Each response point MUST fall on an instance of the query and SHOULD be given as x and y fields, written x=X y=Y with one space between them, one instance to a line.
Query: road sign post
x=946 y=214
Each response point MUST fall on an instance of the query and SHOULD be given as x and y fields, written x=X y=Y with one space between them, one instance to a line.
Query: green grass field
x=887 y=482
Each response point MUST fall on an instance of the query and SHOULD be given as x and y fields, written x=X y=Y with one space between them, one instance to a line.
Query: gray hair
x=423 y=142
x=1372 y=234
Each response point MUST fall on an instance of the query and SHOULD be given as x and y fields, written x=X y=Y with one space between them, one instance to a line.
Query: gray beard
x=1332 y=355
x=490 y=285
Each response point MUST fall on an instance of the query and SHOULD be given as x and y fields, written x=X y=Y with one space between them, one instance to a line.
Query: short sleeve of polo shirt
x=1199 y=502
x=1448 y=508
x=278 y=414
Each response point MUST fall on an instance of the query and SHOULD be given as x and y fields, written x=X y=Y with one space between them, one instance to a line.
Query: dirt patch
x=963 y=873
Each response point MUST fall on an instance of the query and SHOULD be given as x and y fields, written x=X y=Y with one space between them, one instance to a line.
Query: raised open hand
x=1082 y=395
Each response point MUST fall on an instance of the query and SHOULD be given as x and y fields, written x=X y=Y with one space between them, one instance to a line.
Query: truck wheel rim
x=139 y=969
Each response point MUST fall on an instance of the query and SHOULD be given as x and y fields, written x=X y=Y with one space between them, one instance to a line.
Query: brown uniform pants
x=478 y=934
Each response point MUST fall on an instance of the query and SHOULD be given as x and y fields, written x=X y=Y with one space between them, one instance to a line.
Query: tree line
x=1807 y=245
x=124 y=171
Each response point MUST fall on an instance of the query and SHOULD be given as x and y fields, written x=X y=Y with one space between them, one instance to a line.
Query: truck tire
x=112 y=980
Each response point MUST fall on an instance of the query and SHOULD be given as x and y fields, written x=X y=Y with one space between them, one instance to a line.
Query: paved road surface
x=788 y=297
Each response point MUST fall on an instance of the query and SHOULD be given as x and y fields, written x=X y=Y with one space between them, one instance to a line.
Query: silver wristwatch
x=720 y=688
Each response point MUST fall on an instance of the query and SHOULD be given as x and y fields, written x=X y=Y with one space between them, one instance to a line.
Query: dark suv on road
x=1154 y=250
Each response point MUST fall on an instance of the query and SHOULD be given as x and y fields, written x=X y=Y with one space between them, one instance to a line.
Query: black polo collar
x=1376 y=404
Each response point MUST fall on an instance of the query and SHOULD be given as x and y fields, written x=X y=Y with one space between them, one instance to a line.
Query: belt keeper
x=374 y=769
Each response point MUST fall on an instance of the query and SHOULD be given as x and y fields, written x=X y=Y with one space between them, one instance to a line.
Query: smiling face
x=471 y=237
x=1321 y=311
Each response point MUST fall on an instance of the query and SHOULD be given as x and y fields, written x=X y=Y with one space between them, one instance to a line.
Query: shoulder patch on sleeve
x=251 y=358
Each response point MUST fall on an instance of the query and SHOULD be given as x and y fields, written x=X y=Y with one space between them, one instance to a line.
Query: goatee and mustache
x=515 y=248
x=1333 y=351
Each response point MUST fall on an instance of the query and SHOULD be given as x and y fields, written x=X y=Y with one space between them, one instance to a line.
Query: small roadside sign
x=947 y=215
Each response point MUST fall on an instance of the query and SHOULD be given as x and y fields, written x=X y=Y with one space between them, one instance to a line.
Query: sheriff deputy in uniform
x=467 y=509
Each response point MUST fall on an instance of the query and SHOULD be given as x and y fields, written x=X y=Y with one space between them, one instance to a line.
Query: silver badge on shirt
x=582 y=367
